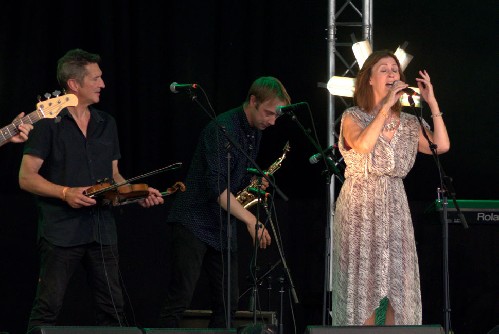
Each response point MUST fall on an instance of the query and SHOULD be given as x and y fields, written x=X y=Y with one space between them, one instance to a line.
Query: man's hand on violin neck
x=154 y=198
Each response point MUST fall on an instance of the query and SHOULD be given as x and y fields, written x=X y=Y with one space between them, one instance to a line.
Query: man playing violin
x=61 y=160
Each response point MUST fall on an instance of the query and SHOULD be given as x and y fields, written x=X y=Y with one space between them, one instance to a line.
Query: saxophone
x=247 y=198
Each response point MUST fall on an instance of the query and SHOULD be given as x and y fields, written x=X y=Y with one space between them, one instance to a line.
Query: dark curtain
x=223 y=46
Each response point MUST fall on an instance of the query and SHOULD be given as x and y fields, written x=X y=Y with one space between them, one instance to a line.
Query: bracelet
x=64 y=193
x=437 y=115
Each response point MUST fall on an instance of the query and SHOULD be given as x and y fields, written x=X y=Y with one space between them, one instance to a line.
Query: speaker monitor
x=123 y=330
x=84 y=330
x=201 y=318
x=257 y=329
x=430 y=329
x=494 y=330
x=188 y=331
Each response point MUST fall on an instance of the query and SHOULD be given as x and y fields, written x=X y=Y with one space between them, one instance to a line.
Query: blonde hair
x=267 y=88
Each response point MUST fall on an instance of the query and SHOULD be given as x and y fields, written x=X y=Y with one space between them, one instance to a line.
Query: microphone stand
x=263 y=202
x=277 y=240
x=446 y=188
x=238 y=147
x=260 y=279
x=255 y=249
x=331 y=169
x=229 y=238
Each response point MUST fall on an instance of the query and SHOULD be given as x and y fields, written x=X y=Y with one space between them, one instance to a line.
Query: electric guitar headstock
x=51 y=107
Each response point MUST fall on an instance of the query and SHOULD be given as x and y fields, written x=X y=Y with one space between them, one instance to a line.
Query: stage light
x=341 y=86
x=361 y=51
x=403 y=57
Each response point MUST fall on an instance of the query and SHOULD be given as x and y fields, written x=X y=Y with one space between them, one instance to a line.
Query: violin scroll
x=176 y=186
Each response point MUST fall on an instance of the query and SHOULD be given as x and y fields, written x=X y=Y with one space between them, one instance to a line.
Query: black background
x=223 y=46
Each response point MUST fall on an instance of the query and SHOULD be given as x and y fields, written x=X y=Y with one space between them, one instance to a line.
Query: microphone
x=407 y=90
x=176 y=87
x=318 y=156
x=330 y=161
x=280 y=110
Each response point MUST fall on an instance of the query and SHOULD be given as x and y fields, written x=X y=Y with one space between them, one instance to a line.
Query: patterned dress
x=374 y=252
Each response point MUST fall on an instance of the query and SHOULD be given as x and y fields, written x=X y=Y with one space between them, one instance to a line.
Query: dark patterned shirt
x=197 y=208
x=73 y=160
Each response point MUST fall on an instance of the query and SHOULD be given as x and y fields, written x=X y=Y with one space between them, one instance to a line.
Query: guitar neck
x=11 y=130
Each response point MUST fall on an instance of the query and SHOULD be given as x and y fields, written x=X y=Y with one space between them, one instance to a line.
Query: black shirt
x=71 y=159
x=197 y=208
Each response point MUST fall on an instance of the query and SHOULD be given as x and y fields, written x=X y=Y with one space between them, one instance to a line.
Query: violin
x=110 y=194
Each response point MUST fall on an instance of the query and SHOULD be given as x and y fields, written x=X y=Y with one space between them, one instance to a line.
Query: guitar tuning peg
x=39 y=98
x=47 y=95
x=56 y=93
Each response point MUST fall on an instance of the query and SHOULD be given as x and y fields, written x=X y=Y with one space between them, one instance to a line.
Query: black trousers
x=190 y=256
x=57 y=265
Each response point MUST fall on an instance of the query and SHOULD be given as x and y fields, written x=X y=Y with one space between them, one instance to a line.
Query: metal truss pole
x=344 y=19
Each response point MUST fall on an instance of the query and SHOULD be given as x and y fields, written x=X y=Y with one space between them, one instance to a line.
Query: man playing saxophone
x=199 y=214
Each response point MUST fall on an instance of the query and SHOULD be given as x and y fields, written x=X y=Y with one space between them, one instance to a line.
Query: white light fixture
x=361 y=51
x=403 y=58
x=341 y=86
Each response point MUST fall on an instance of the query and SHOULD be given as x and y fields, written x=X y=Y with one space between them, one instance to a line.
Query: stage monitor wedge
x=188 y=331
x=85 y=330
